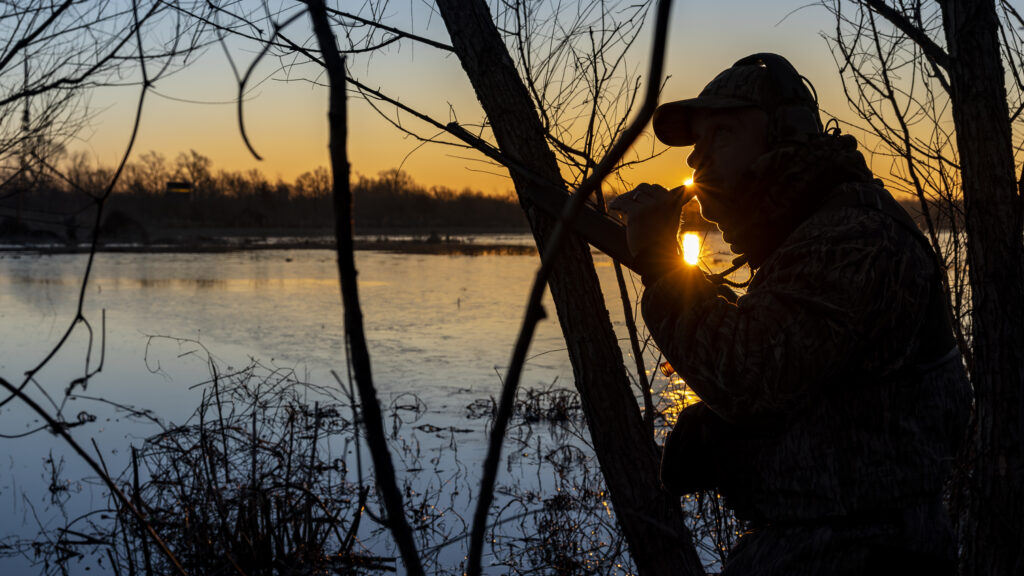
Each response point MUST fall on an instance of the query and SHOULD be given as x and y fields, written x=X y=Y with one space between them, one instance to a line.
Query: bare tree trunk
x=651 y=519
x=993 y=534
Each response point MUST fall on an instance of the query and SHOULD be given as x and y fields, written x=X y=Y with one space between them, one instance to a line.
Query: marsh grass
x=267 y=477
x=251 y=484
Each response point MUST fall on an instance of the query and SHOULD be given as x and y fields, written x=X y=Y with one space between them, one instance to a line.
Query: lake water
x=439 y=326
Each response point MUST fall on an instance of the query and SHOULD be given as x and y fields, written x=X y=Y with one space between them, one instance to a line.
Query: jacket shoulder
x=857 y=221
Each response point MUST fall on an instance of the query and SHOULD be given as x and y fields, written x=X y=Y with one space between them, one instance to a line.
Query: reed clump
x=254 y=483
x=266 y=477
x=550 y=405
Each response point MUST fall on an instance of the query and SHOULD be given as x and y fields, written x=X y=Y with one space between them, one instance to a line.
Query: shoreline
x=206 y=245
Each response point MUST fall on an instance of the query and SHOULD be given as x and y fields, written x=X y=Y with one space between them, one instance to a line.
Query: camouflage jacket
x=820 y=396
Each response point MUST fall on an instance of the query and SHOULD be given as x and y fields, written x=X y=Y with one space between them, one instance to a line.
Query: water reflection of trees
x=200 y=282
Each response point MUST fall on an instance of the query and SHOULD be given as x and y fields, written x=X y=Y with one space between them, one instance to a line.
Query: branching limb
x=398 y=33
x=30 y=37
x=930 y=48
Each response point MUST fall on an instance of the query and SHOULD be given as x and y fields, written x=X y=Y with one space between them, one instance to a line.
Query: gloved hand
x=652 y=218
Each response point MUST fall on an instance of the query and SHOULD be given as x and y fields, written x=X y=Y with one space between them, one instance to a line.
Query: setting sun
x=691 y=248
x=688 y=182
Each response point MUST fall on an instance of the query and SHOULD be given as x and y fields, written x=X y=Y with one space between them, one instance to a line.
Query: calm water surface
x=439 y=326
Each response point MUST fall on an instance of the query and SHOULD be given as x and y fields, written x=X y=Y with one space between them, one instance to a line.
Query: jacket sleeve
x=842 y=298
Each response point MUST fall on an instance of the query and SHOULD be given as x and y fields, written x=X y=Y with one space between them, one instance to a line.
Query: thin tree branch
x=931 y=49
x=28 y=39
x=396 y=31
x=60 y=429
x=81 y=78
x=534 y=310
x=355 y=336
x=245 y=79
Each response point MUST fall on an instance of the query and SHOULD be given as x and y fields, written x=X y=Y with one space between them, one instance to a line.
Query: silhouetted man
x=833 y=395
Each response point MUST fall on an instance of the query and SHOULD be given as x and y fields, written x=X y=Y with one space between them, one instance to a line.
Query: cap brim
x=673 y=121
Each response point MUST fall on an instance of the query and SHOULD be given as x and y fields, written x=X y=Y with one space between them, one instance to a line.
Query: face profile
x=728 y=142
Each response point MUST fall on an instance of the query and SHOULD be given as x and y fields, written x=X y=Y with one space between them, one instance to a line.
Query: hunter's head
x=758 y=104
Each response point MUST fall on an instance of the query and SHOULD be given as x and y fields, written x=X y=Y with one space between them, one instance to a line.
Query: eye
x=724 y=136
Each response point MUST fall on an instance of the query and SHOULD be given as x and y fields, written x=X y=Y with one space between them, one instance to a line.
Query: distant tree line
x=155 y=197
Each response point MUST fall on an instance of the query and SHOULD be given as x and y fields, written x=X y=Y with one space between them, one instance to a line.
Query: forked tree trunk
x=651 y=520
x=993 y=534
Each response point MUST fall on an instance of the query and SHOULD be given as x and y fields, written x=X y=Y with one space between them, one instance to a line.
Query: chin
x=725 y=224
x=718 y=207
x=708 y=216
x=709 y=209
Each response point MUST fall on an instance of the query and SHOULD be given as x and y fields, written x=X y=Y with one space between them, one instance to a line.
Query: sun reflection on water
x=677 y=396
x=691 y=248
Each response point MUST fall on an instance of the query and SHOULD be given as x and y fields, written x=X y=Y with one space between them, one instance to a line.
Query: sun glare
x=688 y=182
x=691 y=248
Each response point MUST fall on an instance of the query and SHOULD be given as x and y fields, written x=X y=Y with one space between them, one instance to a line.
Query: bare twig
x=534 y=311
x=398 y=33
x=355 y=336
x=931 y=49
x=60 y=429
x=278 y=26
x=100 y=202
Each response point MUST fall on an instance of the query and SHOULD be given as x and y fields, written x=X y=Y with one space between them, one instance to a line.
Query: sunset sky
x=286 y=120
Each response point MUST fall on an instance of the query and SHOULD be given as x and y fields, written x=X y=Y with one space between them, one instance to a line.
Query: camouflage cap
x=765 y=81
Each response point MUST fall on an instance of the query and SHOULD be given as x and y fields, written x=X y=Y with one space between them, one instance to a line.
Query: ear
x=794 y=123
